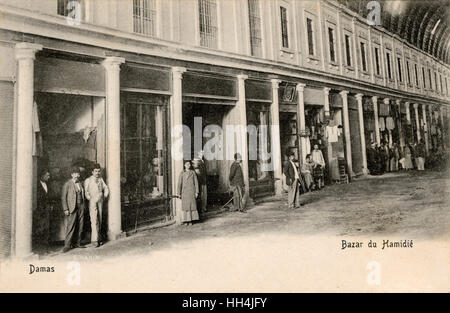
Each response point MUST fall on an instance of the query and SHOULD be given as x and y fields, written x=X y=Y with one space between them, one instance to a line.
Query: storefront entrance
x=198 y=117
x=70 y=131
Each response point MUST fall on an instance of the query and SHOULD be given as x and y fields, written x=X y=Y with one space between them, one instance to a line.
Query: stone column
x=386 y=101
x=416 y=113
x=425 y=127
x=359 y=98
x=176 y=134
x=25 y=56
x=399 y=124
x=326 y=107
x=375 y=112
x=242 y=109
x=275 y=138
x=348 y=142
x=112 y=69
x=301 y=120
x=408 y=113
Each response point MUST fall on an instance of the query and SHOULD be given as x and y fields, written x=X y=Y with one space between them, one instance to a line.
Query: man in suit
x=72 y=199
x=292 y=174
x=237 y=185
x=96 y=192
x=41 y=217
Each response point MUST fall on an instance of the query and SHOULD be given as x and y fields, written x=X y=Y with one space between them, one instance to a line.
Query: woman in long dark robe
x=188 y=191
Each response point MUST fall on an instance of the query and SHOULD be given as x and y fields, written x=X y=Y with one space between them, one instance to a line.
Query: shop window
x=142 y=154
x=331 y=43
x=208 y=23
x=284 y=27
x=254 y=16
x=377 y=61
x=388 y=61
x=363 y=56
x=310 y=35
x=399 y=67
x=348 y=52
x=144 y=17
x=259 y=142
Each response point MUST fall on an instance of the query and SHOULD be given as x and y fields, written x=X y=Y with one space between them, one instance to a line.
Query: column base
x=113 y=236
x=278 y=188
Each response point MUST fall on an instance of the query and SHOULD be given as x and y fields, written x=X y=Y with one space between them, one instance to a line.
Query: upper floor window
x=310 y=35
x=377 y=61
x=208 y=23
x=446 y=86
x=408 y=72
x=363 y=56
x=348 y=52
x=399 y=66
x=442 y=87
x=144 y=17
x=331 y=44
x=254 y=16
x=284 y=27
x=431 y=80
x=436 y=81
x=72 y=8
x=424 y=79
x=416 y=74
x=388 y=61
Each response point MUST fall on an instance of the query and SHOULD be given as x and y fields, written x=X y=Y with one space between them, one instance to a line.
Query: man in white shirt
x=96 y=191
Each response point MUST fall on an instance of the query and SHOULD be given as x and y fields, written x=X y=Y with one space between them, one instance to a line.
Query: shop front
x=144 y=149
x=209 y=103
x=69 y=130
x=258 y=107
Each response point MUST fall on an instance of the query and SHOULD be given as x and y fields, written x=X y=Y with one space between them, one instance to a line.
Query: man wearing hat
x=292 y=174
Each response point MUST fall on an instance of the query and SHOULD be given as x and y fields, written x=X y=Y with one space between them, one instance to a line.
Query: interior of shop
x=71 y=132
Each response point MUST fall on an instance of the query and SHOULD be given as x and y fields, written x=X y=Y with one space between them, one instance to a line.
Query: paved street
x=273 y=249
x=407 y=204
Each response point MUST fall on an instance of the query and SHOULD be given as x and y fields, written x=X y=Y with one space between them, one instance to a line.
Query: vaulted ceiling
x=423 y=23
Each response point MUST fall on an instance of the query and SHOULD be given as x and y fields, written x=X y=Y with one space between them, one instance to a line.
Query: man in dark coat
x=237 y=183
x=41 y=216
x=200 y=170
x=293 y=178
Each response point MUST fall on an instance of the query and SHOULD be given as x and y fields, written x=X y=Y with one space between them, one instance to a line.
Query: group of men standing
x=75 y=197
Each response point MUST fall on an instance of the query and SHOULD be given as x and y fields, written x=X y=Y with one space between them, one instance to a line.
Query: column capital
x=27 y=50
x=112 y=62
x=359 y=96
x=242 y=77
x=398 y=101
x=416 y=105
x=375 y=99
x=177 y=72
x=326 y=90
x=301 y=87
x=386 y=100
x=344 y=93
x=275 y=83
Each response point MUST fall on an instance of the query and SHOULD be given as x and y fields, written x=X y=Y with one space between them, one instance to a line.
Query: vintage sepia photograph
x=224 y=146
